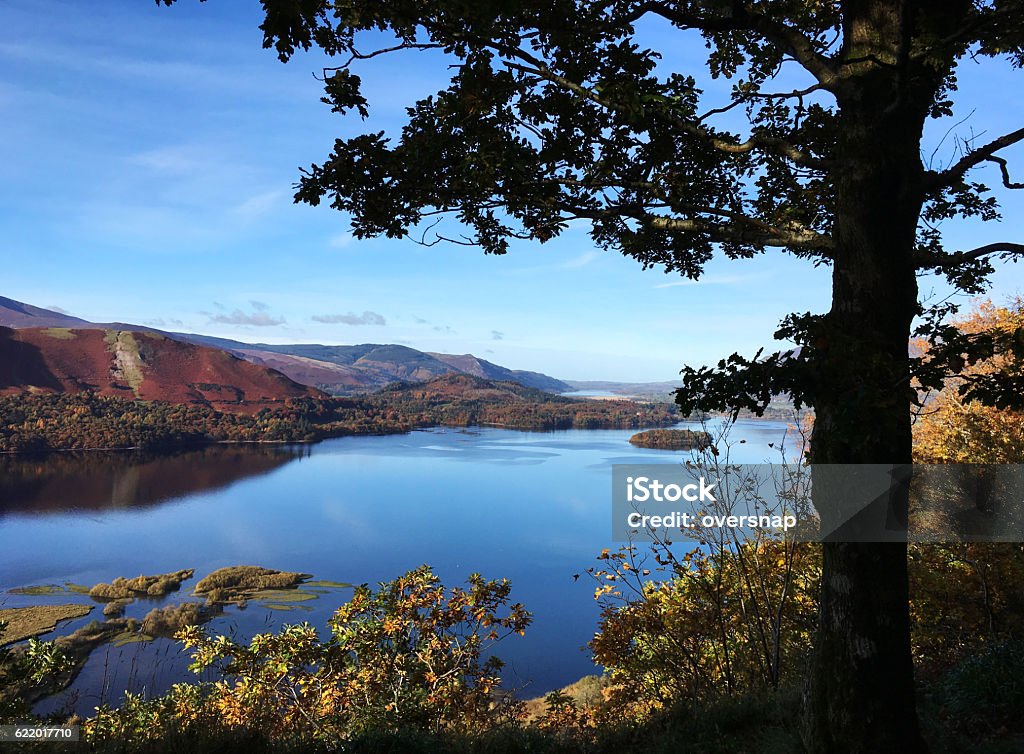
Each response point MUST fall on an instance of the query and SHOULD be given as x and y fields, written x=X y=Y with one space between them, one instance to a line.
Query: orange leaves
x=952 y=430
x=699 y=633
x=386 y=647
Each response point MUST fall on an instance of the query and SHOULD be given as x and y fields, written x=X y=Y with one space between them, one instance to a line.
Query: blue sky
x=149 y=156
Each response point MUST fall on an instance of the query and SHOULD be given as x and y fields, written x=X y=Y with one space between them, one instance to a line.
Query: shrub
x=410 y=656
x=986 y=690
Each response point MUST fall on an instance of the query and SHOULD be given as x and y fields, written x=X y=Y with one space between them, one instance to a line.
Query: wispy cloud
x=580 y=261
x=340 y=241
x=366 y=318
x=712 y=280
x=253 y=319
x=259 y=204
x=497 y=335
x=161 y=322
x=173 y=159
x=444 y=329
x=259 y=306
x=120 y=66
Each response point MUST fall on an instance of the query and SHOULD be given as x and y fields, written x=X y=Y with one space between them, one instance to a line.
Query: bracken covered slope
x=137 y=365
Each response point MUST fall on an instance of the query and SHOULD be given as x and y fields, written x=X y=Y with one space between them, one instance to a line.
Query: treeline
x=463 y=401
x=671 y=439
x=84 y=420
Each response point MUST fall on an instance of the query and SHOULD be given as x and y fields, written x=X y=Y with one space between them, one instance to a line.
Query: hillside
x=465 y=400
x=339 y=370
x=470 y=364
x=344 y=370
x=136 y=365
x=16 y=314
x=45 y=419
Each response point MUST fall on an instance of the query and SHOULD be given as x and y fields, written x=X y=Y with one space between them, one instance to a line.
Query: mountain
x=370 y=366
x=661 y=391
x=341 y=370
x=468 y=387
x=137 y=365
x=16 y=314
x=336 y=369
x=470 y=364
x=466 y=400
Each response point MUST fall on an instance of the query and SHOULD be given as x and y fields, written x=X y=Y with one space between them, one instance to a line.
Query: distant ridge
x=340 y=370
x=370 y=366
x=17 y=315
x=137 y=365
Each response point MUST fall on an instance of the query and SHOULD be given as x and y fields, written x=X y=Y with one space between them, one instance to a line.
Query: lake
x=532 y=507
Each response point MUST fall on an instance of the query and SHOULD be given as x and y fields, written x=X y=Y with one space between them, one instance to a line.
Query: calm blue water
x=533 y=507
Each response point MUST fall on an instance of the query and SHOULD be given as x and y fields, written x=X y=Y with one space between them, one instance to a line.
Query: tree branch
x=776 y=145
x=937 y=180
x=943 y=261
x=798 y=94
x=757 y=233
x=1001 y=161
x=743 y=17
x=797 y=237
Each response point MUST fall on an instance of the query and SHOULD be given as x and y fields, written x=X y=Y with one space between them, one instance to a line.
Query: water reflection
x=100 y=481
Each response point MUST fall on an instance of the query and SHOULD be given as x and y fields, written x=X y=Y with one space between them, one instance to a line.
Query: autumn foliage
x=952 y=429
x=409 y=655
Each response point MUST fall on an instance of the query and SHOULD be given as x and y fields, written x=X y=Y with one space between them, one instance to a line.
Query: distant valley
x=66 y=383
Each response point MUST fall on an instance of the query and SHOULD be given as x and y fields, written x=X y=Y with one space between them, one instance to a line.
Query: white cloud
x=255 y=319
x=340 y=241
x=177 y=159
x=258 y=204
x=580 y=261
x=366 y=318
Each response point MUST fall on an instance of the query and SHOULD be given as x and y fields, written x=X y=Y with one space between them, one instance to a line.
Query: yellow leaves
x=680 y=638
x=952 y=431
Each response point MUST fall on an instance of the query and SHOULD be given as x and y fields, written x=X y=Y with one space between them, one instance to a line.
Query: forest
x=77 y=421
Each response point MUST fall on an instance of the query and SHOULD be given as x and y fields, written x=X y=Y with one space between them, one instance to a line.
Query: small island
x=671 y=439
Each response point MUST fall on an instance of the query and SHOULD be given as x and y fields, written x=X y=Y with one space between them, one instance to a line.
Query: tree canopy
x=563 y=111
x=558 y=112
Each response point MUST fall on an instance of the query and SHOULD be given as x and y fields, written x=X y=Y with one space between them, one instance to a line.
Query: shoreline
x=198 y=445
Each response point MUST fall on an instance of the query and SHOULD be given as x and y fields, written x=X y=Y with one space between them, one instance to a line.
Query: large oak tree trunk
x=860 y=696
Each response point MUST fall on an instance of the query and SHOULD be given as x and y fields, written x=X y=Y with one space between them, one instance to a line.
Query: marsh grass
x=141 y=586
x=38 y=590
x=167 y=621
x=24 y=622
x=276 y=606
x=240 y=583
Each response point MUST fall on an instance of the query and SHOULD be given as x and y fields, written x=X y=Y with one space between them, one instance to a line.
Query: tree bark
x=860 y=695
